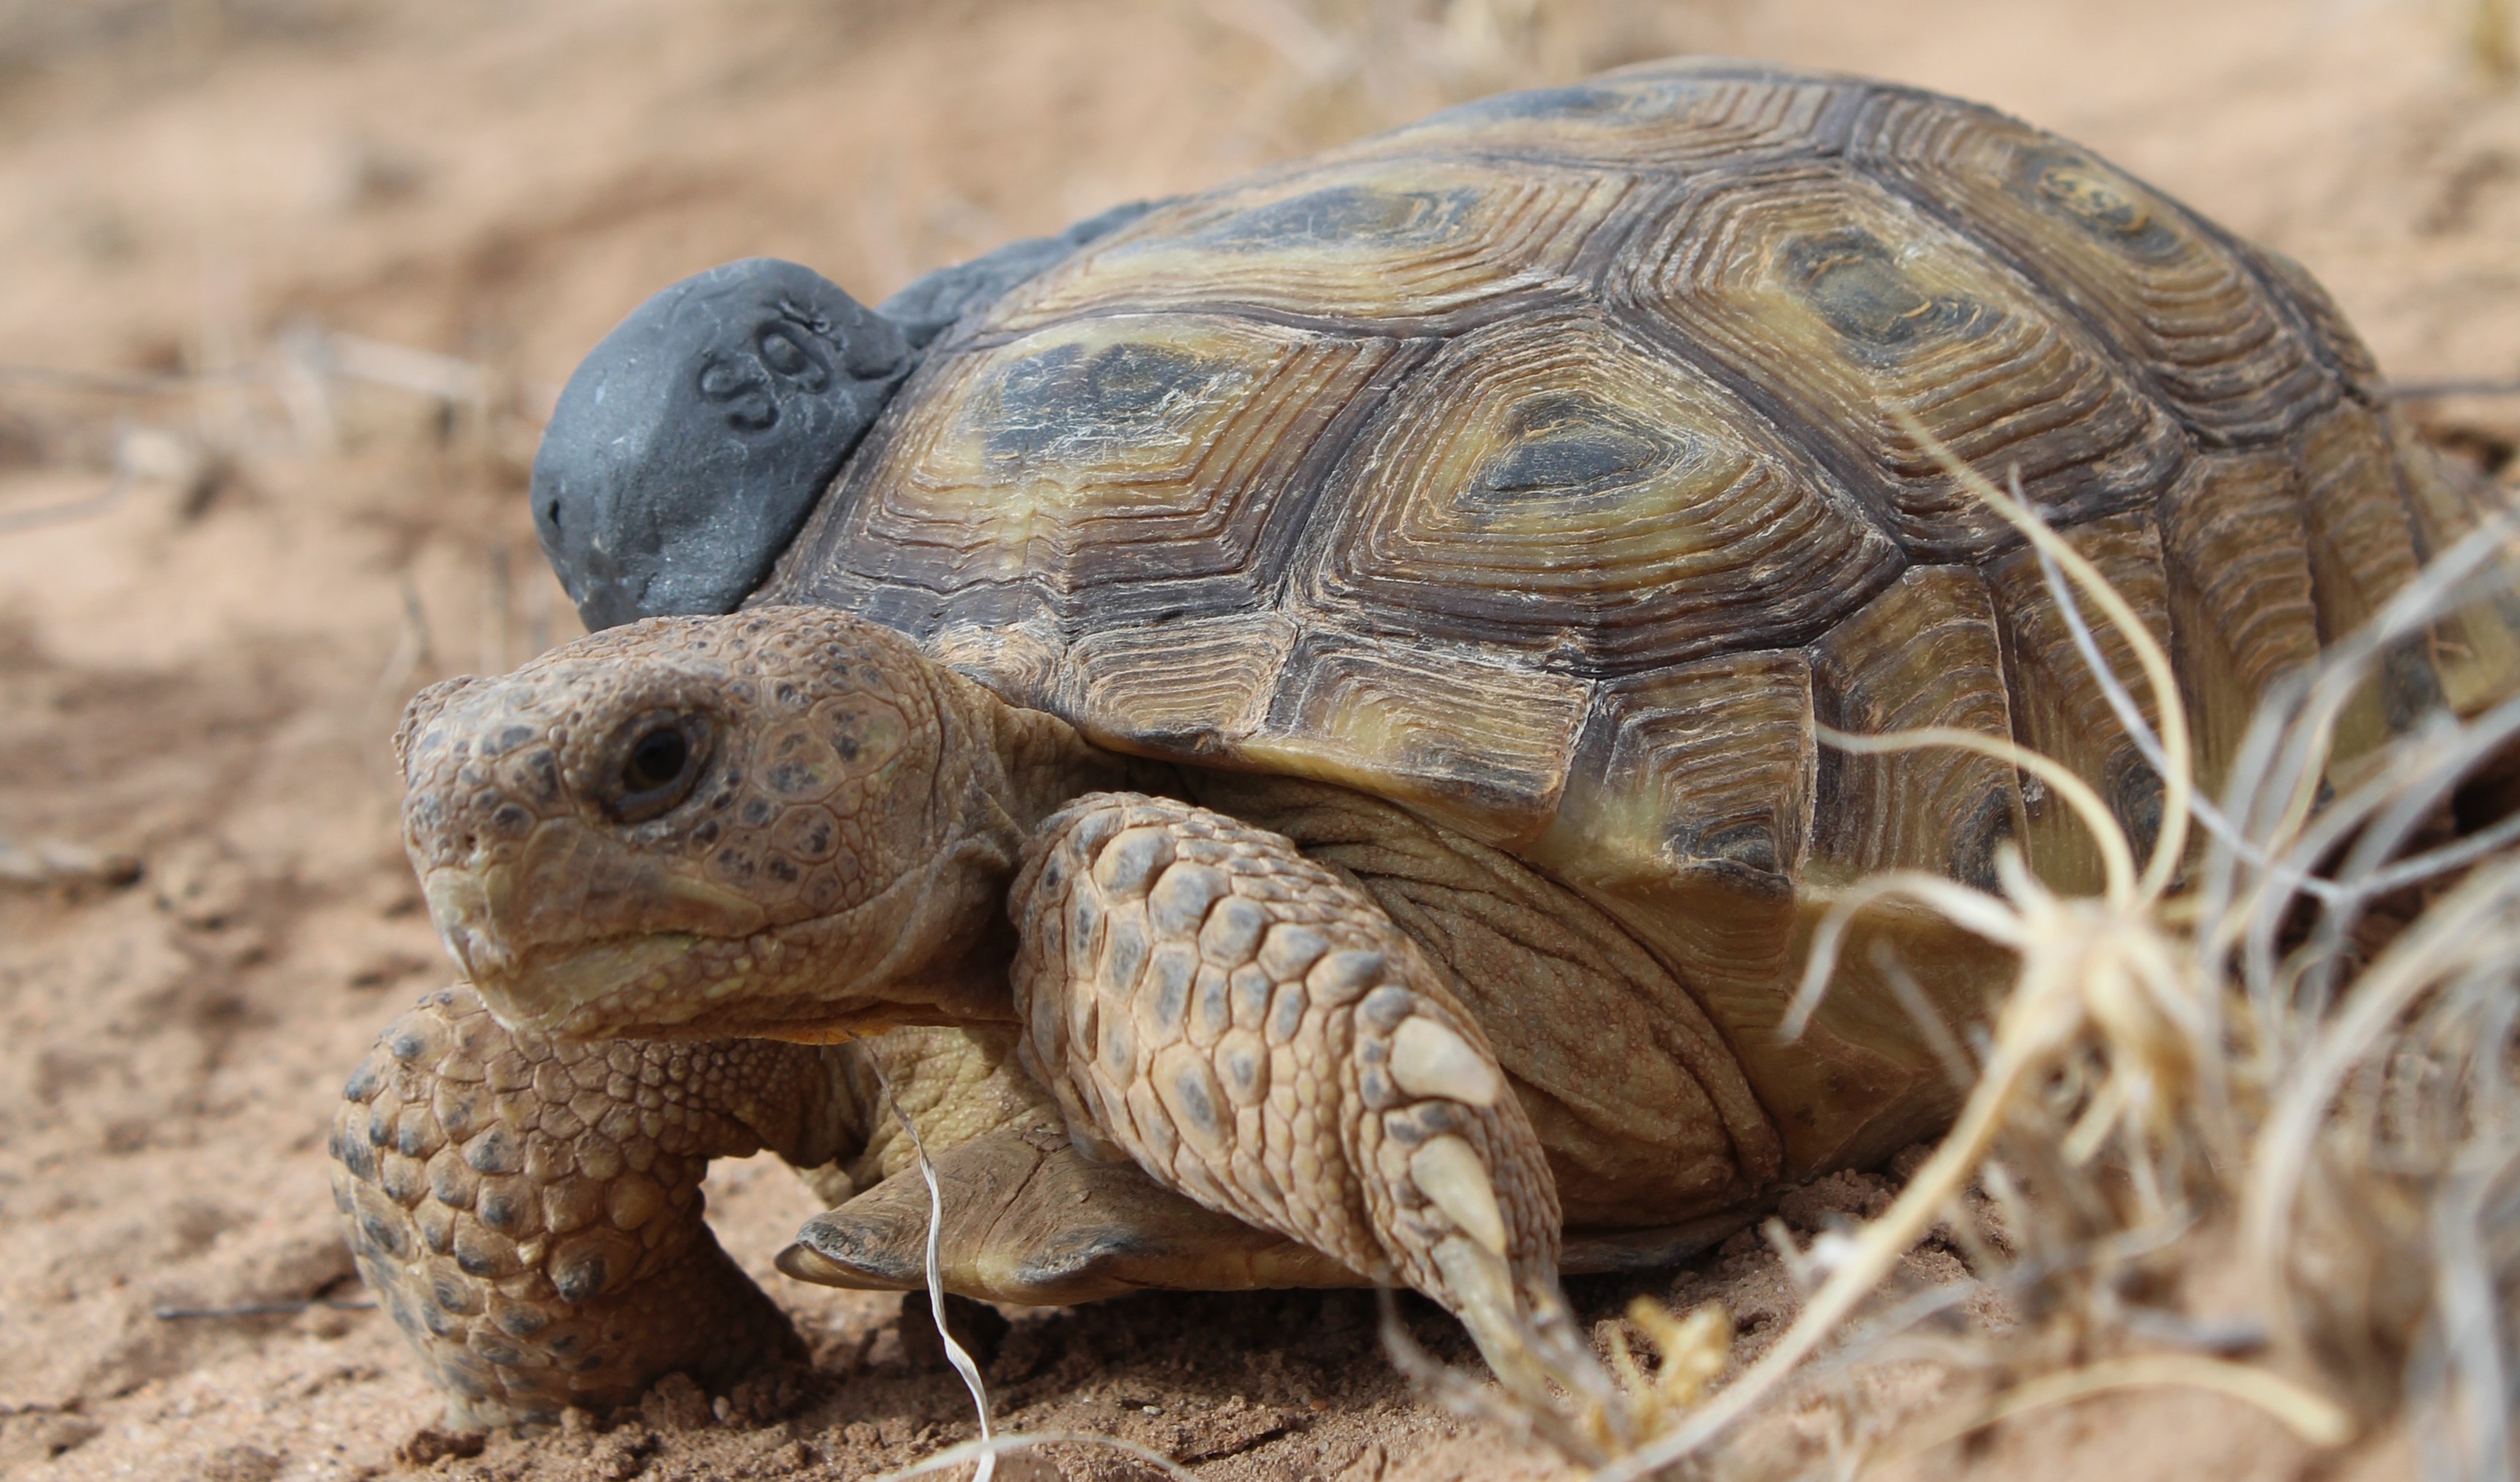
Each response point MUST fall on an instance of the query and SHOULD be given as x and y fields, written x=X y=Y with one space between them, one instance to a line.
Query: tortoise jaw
x=563 y=988
x=467 y=905
x=580 y=991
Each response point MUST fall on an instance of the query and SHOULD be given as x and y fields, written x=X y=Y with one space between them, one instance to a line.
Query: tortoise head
x=757 y=824
x=689 y=446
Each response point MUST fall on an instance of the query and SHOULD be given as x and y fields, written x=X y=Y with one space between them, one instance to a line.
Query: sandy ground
x=203 y=910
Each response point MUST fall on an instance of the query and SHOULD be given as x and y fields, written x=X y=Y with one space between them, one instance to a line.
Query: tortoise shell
x=1537 y=468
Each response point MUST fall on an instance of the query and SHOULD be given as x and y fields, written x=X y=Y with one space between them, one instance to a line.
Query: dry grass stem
x=955 y=1353
x=2313 y=1418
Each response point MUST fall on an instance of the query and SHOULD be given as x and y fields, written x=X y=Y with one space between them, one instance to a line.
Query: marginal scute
x=1925 y=652
x=2240 y=610
x=2183 y=307
x=2361 y=552
x=1580 y=496
x=1196 y=686
x=2344 y=350
x=2059 y=708
x=1833 y=304
x=1702 y=764
x=1477 y=746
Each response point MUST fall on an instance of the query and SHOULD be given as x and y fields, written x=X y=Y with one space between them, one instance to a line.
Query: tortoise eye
x=657 y=770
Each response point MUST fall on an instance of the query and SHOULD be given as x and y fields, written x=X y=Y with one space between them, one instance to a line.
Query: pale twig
x=1870 y=1257
x=2440 y=391
x=988 y=1449
x=1471 y=1399
x=954 y=1354
x=1919 y=1008
x=2314 y=1418
x=2129 y=714
x=411 y=653
x=117 y=488
x=118 y=384
x=262 y=1309
x=1973 y=909
x=2097 y=982
x=2469 y=1309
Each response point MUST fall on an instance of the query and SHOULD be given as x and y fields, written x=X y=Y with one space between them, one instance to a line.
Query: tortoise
x=1280 y=728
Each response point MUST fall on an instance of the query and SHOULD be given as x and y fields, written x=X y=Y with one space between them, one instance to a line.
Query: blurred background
x=286 y=290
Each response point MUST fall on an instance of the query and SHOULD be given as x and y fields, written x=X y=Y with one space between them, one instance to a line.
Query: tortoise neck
x=1000 y=771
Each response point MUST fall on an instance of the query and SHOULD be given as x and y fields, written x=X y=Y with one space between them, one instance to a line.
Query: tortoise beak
x=465 y=905
x=548 y=987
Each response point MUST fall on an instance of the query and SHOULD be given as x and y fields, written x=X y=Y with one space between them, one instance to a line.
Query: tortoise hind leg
x=529 y=1212
x=1026 y=1217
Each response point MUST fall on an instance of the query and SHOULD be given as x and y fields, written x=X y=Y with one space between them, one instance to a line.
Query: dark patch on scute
x=2075 y=189
x=496 y=1350
x=2136 y=798
x=1853 y=281
x=1974 y=838
x=1588 y=458
x=503 y=1213
x=494 y=1151
x=1571 y=444
x=539 y=771
x=411 y=1138
x=1750 y=842
x=380 y=1238
x=1344 y=215
x=1048 y=400
x=578 y=1278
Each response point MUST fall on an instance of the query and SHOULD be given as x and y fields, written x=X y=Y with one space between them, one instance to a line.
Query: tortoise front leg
x=1257 y=1034
x=529 y=1211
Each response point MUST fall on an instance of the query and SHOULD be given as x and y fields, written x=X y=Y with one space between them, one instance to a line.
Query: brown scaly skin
x=788 y=825
x=528 y=1210
x=1252 y=1030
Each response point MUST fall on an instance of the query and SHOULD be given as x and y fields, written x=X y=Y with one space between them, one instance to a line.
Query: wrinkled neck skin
x=935 y=948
